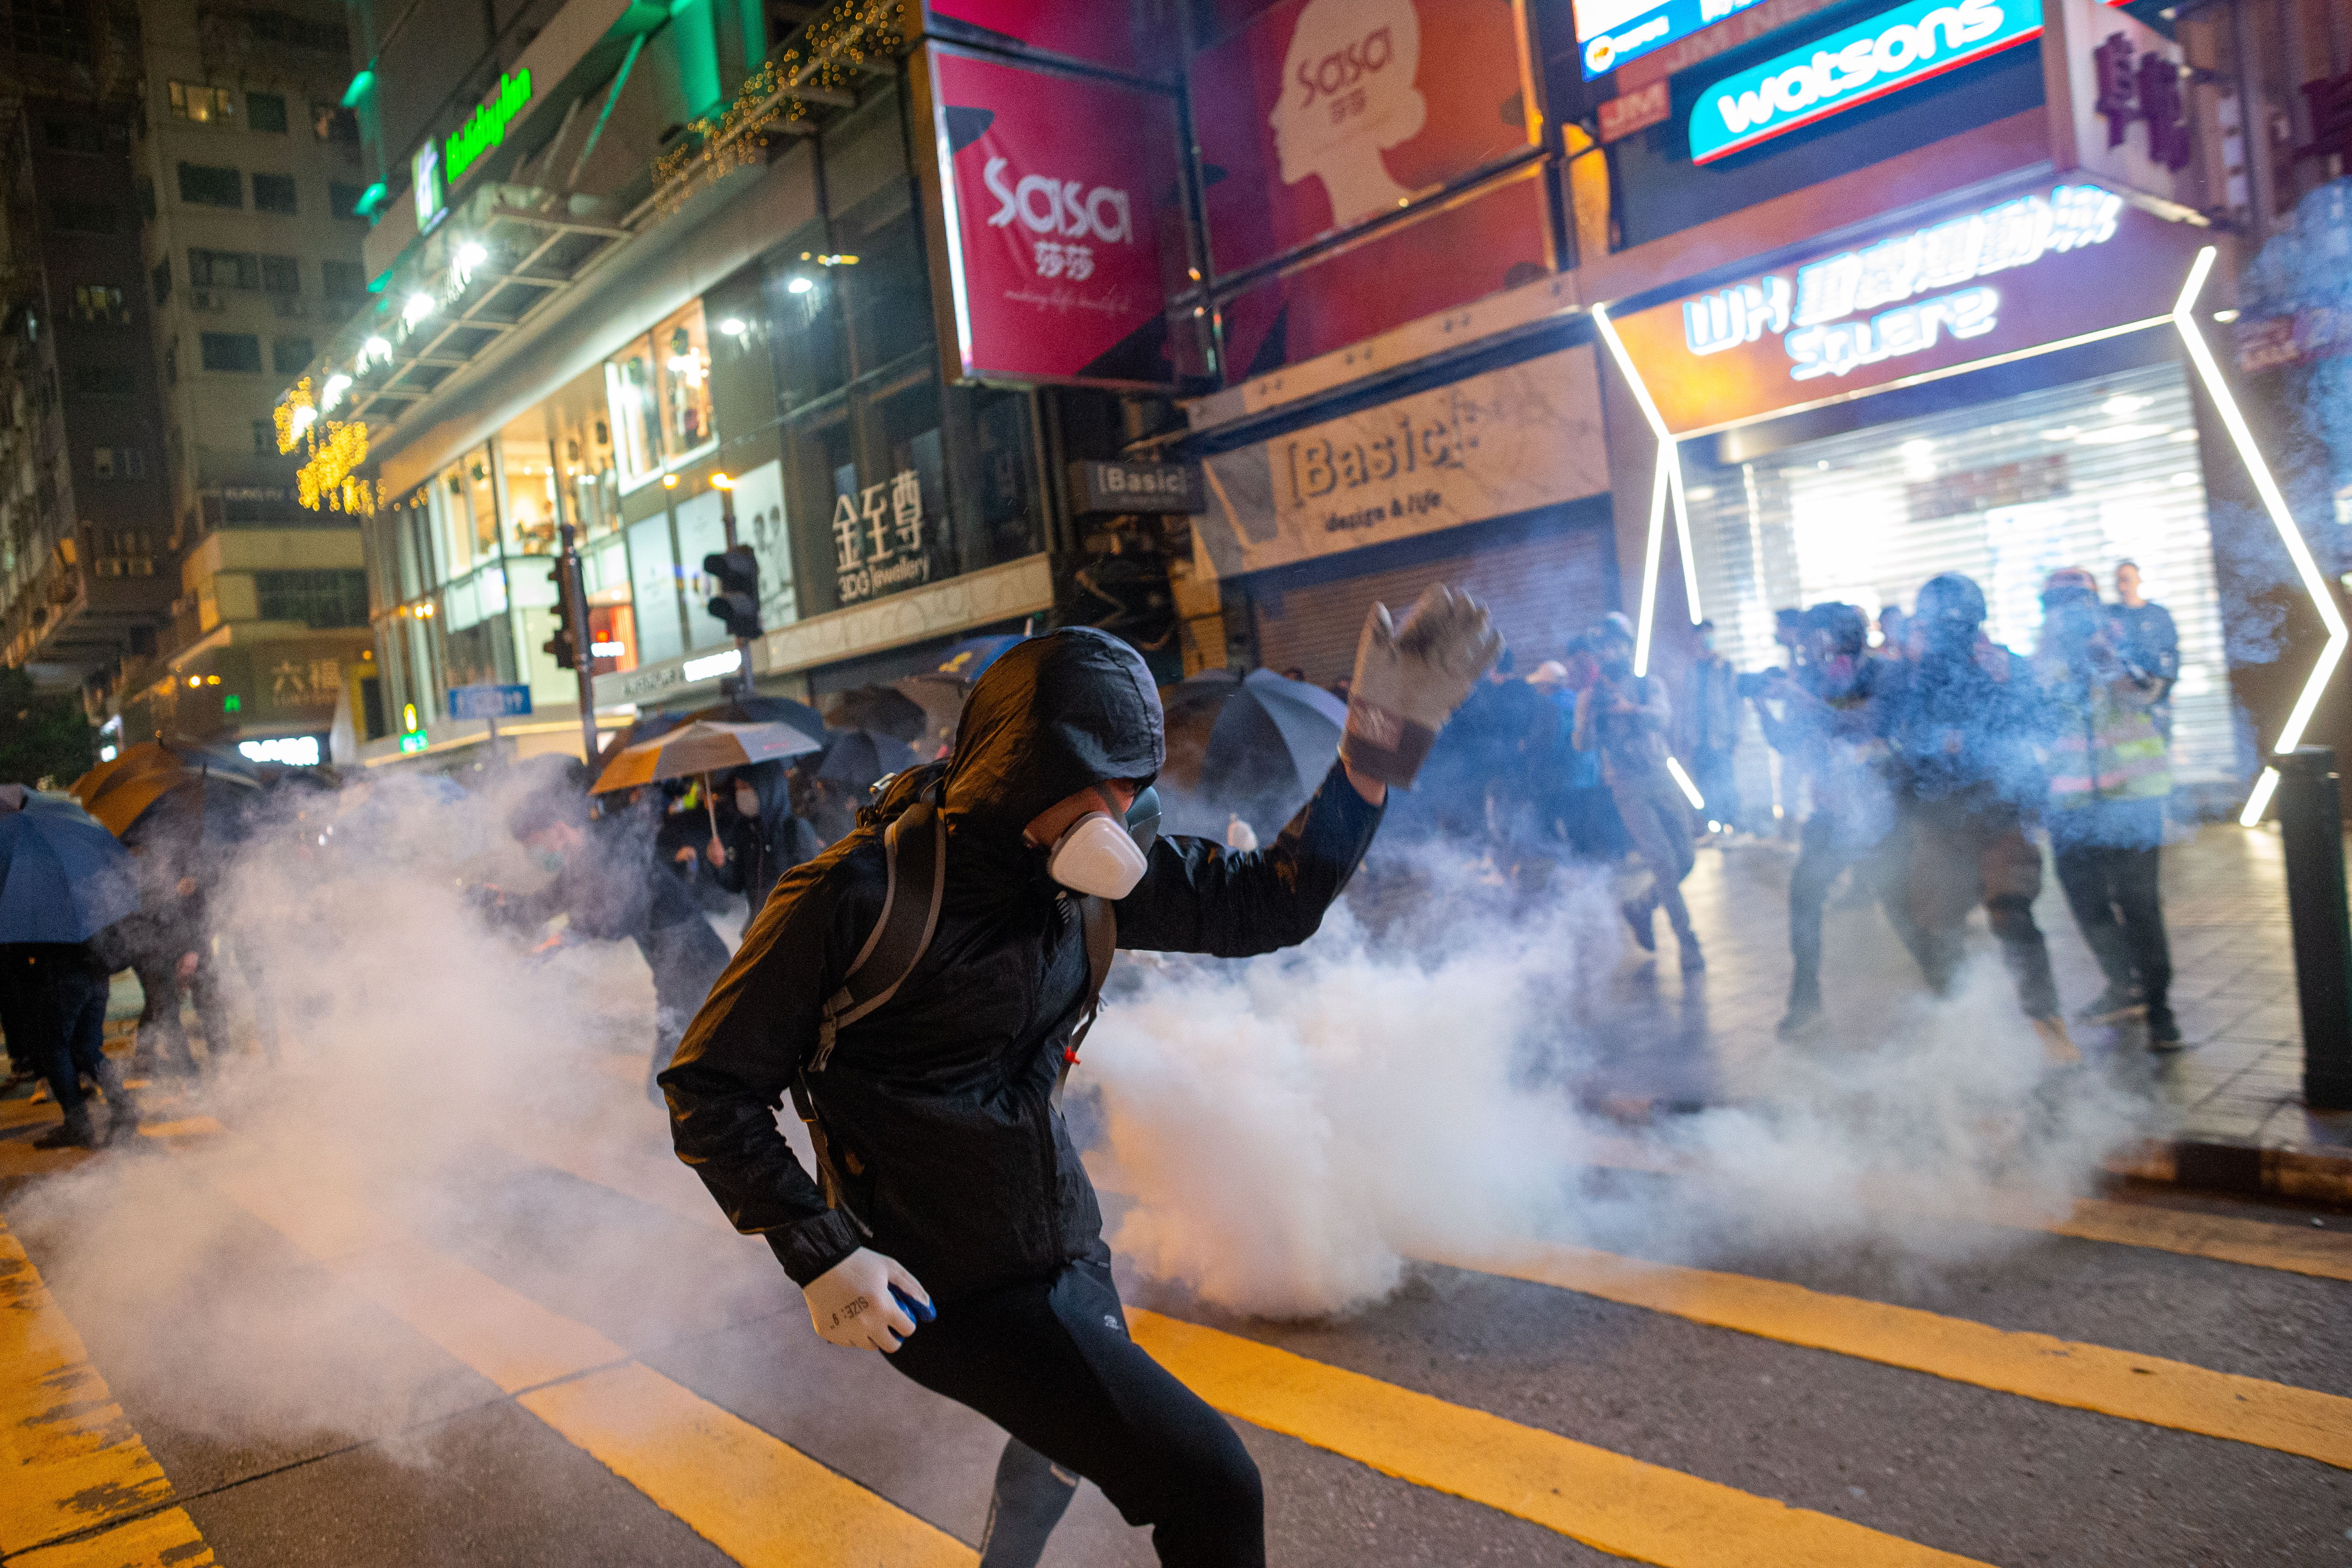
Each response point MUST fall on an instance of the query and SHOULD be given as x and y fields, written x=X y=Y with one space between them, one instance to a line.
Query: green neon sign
x=487 y=126
x=412 y=741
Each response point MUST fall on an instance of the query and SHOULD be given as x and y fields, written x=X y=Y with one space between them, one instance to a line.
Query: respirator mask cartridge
x=1103 y=856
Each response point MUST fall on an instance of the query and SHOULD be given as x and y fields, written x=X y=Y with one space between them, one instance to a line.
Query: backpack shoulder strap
x=915 y=852
x=1100 y=919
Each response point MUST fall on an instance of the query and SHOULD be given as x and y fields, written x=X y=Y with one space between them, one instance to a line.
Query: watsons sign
x=1890 y=51
x=1902 y=295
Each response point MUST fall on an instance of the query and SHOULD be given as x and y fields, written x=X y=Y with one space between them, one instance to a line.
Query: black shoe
x=1644 y=923
x=73 y=1133
x=2114 y=1005
x=2163 y=1029
x=1693 y=959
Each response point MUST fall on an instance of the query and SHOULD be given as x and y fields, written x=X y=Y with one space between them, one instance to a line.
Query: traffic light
x=565 y=644
x=737 y=602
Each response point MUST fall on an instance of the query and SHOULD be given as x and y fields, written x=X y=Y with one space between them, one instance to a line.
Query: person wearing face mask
x=1625 y=718
x=763 y=839
x=952 y=1197
x=1708 y=720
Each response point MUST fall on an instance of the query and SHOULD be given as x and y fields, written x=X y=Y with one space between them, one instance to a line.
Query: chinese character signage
x=2119 y=101
x=1056 y=198
x=1508 y=441
x=879 y=537
x=1323 y=114
x=2039 y=270
x=1891 y=50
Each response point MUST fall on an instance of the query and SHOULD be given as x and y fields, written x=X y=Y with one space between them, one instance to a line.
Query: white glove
x=851 y=1305
x=1410 y=680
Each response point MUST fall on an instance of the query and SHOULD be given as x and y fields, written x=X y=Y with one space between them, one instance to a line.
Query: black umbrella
x=763 y=710
x=63 y=876
x=856 y=759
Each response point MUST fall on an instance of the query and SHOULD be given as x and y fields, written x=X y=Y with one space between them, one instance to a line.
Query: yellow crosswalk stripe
x=2325 y=1254
x=2152 y=1389
x=1607 y=1500
x=69 y=1461
x=755 y=1497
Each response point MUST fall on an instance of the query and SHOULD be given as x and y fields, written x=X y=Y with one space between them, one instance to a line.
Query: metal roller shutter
x=2085 y=474
x=1543 y=588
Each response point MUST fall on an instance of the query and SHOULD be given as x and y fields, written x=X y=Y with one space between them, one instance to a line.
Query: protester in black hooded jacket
x=763 y=839
x=941 y=1104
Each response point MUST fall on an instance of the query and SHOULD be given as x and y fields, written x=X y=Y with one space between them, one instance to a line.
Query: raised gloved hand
x=851 y=1303
x=1411 y=679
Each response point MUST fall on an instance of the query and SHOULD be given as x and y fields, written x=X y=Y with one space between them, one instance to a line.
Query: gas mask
x=1103 y=856
x=747 y=801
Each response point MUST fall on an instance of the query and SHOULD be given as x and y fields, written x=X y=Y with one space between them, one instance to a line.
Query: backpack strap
x=1100 y=919
x=915 y=850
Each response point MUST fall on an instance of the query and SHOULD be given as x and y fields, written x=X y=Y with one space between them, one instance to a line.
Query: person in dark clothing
x=963 y=1194
x=1822 y=733
x=168 y=943
x=2149 y=642
x=1708 y=722
x=765 y=839
x=69 y=983
x=1625 y=718
x=1961 y=719
x=613 y=889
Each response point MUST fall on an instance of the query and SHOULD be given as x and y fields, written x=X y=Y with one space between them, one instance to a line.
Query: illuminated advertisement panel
x=2059 y=265
x=1611 y=32
x=1099 y=32
x=1887 y=53
x=1320 y=115
x=1052 y=200
x=1495 y=237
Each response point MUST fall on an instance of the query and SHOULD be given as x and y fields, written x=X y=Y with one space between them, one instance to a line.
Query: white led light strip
x=1667 y=486
x=1669 y=482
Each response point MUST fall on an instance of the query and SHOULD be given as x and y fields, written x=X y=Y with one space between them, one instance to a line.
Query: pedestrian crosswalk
x=723 y=1475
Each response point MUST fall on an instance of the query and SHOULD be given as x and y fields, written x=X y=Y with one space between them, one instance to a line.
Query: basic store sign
x=2043 y=268
x=1892 y=50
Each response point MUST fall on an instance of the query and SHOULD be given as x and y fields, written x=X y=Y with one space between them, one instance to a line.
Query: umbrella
x=763 y=710
x=1306 y=722
x=856 y=759
x=969 y=659
x=879 y=709
x=940 y=692
x=701 y=747
x=63 y=876
x=640 y=731
x=120 y=793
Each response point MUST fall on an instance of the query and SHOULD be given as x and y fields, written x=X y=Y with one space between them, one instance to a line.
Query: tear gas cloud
x=1279 y=1136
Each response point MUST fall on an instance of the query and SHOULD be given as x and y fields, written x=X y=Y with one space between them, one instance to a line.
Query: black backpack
x=905 y=807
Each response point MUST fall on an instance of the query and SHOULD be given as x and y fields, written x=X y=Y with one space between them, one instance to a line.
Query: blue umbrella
x=63 y=877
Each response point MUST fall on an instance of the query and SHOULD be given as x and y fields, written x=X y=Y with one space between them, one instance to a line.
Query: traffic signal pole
x=726 y=488
x=574 y=592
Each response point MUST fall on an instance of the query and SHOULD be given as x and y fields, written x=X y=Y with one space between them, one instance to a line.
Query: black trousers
x=2112 y=889
x=1819 y=861
x=687 y=959
x=1949 y=854
x=1050 y=1361
x=74 y=1045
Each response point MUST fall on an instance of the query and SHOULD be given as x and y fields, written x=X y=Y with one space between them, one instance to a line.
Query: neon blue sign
x=1611 y=32
x=1892 y=50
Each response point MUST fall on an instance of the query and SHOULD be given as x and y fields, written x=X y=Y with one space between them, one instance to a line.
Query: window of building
x=160 y=281
x=88 y=380
x=223 y=269
x=333 y=122
x=281 y=275
x=266 y=111
x=100 y=303
x=289 y=356
x=320 y=600
x=117 y=462
x=300 y=32
x=232 y=351
x=146 y=197
x=206 y=185
x=659 y=392
x=344 y=201
x=343 y=279
x=273 y=193
x=265 y=437
x=84 y=217
x=205 y=105
x=50 y=27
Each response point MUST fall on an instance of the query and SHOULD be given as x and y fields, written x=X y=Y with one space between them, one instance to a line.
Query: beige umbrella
x=702 y=747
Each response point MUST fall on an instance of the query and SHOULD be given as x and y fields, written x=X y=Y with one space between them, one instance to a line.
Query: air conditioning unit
x=207 y=300
x=288 y=306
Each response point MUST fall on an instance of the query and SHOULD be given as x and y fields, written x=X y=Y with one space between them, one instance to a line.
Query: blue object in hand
x=921 y=1311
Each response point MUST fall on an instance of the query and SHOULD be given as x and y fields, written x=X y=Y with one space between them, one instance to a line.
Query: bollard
x=2311 y=825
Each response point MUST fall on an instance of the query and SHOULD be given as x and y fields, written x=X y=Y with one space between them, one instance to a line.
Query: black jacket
x=938 y=1104
x=761 y=848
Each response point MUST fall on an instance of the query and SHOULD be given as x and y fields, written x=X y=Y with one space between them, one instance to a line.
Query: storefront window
x=658 y=393
x=653 y=573
x=2085 y=475
x=529 y=497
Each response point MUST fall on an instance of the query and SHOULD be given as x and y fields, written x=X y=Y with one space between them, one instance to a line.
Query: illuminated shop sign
x=294 y=751
x=487 y=126
x=1890 y=51
x=1611 y=32
x=426 y=169
x=1859 y=307
x=2051 y=266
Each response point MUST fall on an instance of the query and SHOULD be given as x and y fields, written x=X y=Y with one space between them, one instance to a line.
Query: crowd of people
x=1922 y=760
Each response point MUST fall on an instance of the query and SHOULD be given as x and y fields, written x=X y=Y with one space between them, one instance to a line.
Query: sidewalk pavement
x=2233 y=1099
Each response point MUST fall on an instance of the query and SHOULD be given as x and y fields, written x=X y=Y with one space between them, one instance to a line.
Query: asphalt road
x=571 y=1365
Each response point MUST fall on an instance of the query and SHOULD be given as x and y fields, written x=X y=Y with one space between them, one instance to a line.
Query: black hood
x=1054 y=714
x=773 y=784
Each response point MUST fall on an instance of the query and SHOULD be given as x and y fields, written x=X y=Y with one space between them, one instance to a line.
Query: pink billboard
x=1320 y=115
x=1054 y=199
x=1109 y=33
